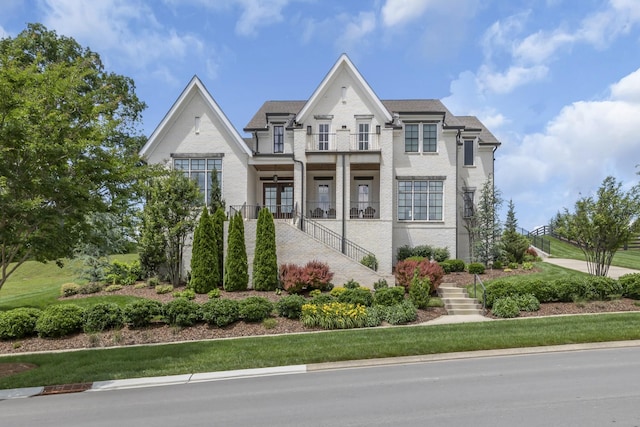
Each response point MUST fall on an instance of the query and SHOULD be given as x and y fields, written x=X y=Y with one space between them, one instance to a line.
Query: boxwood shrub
x=389 y=296
x=139 y=314
x=476 y=268
x=18 y=323
x=290 y=306
x=255 y=309
x=506 y=307
x=220 y=311
x=60 y=320
x=398 y=314
x=630 y=285
x=102 y=316
x=181 y=312
x=356 y=296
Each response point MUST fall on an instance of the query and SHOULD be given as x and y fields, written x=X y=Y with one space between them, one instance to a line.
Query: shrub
x=188 y=294
x=181 y=312
x=506 y=307
x=528 y=302
x=122 y=273
x=214 y=293
x=60 y=320
x=139 y=314
x=351 y=284
x=314 y=275
x=323 y=299
x=334 y=315
x=356 y=296
x=398 y=314
x=163 y=289
x=113 y=288
x=426 y=269
x=389 y=296
x=457 y=265
x=440 y=254
x=220 y=312
x=380 y=284
x=497 y=264
x=18 y=323
x=90 y=288
x=255 y=309
x=290 y=306
x=290 y=278
x=205 y=273
x=527 y=265
x=152 y=282
x=236 y=271
x=420 y=291
x=513 y=265
x=404 y=252
x=315 y=293
x=335 y=292
x=598 y=288
x=630 y=285
x=446 y=266
x=140 y=286
x=269 y=323
x=265 y=262
x=69 y=289
x=370 y=261
x=476 y=268
x=102 y=316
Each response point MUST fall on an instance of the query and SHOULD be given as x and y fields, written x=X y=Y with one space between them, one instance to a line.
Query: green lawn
x=560 y=249
x=255 y=352
x=35 y=284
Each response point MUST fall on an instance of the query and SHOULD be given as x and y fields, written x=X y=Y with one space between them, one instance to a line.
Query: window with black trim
x=425 y=132
x=420 y=200
x=201 y=170
x=468 y=152
x=278 y=139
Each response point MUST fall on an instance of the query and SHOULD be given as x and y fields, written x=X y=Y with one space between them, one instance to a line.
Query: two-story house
x=349 y=168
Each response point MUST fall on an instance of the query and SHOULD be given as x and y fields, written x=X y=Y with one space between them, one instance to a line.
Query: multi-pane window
x=467 y=203
x=429 y=138
x=201 y=170
x=420 y=200
x=468 y=152
x=278 y=139
x=416 y=132
x=323 y=136
x=363 y=136
x=411 y=135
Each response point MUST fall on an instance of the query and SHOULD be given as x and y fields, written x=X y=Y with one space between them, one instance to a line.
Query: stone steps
x=456 y=300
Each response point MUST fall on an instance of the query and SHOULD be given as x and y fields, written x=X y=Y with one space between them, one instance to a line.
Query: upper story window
x=323 y=136
x=425 y=132
x=278 y=139
x=420 y=200
x=363 y=136
x=201 y=171
x=468 y=146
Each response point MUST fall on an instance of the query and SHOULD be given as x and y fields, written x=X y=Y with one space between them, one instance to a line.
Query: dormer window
x=278 y=139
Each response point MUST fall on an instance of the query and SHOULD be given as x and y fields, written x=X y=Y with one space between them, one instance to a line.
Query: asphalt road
x=579 y=388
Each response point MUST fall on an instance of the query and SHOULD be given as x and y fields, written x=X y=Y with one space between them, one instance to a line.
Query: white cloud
x=121 y=28
x=628 y=88
x=539 y=47
x=506 y=82
x=356 y=29
x=396 y=12
x=259 y=13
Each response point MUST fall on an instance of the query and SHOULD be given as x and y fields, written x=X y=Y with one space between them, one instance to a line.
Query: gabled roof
x=259 y=120
x=472 y=123
x=435 y=106
x=343 y=62
x=195 y=85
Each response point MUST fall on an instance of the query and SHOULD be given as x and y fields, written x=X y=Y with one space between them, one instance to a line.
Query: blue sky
x=557 y=81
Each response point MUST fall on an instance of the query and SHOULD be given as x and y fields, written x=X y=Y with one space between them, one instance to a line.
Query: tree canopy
x=603 y=224
x=68 y=145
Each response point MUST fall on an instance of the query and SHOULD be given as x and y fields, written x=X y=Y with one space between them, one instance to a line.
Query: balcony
x=364 y=210
x=331 y=142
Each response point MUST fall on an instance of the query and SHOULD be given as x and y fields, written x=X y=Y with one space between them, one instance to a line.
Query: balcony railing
x=331 y=142
x=320 y=210
x=364 y=210
x=251 y=211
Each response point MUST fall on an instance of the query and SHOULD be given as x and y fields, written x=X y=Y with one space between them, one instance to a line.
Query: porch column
x=343 y=187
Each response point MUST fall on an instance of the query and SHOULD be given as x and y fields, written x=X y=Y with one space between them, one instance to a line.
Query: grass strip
x=256 y=352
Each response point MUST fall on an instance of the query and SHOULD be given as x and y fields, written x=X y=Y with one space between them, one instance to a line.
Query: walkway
x=574 y=264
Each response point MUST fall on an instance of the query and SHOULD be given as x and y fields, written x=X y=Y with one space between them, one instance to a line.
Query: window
x=429 y=138
x=411 y=138
x=363 y=136
x=420 y=200
x=200 y=170
x=323 y=136
x=324 y=197
x=278 y=139
x=468 y=152
x=415 y=132
x=467 y=203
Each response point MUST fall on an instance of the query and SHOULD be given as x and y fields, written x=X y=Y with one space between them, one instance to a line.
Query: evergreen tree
x=205 y=274
x=236 y=276
x=265 y=261
x=513 y=243
x=487 y=228
x=216 y=201
x=218 y=229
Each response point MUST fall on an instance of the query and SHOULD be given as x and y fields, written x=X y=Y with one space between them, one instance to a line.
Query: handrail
x=476 y=279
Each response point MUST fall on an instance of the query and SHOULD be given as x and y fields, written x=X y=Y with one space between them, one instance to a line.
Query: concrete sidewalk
x=574 y=264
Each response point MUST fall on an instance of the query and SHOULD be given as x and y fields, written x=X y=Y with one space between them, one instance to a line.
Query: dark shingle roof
x=259 y=120
x=472 y=122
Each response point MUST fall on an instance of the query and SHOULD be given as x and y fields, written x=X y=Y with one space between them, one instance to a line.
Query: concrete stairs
x=456 y=301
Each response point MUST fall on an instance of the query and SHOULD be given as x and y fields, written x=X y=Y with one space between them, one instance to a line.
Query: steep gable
x=195 y=91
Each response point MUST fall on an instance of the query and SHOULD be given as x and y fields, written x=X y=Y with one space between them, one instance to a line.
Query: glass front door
x=278 y=198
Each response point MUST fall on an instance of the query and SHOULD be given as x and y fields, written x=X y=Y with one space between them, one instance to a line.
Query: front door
x=278 y=198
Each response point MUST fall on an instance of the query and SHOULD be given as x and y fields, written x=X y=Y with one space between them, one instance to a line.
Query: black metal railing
x=476 y=280
x=364 y=210
x=537 y=238
x=252 y=211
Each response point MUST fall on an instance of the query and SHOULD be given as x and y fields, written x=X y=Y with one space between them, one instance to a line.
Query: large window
x=425 y=132
x=363 y=136
x=278 y=139
x=468 y=152
x=420 y=200
x=323 y=136
x=201 y=170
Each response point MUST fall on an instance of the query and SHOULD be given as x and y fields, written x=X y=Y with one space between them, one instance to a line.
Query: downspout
x=344 y=208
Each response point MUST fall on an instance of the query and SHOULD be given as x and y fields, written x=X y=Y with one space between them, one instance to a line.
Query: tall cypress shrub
x=205 y=274
x=236 y=275
x=265 y=261
x=219 y=217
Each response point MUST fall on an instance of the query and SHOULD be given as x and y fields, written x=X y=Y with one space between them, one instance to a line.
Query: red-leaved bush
x=432 y=270
x=314 y=275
